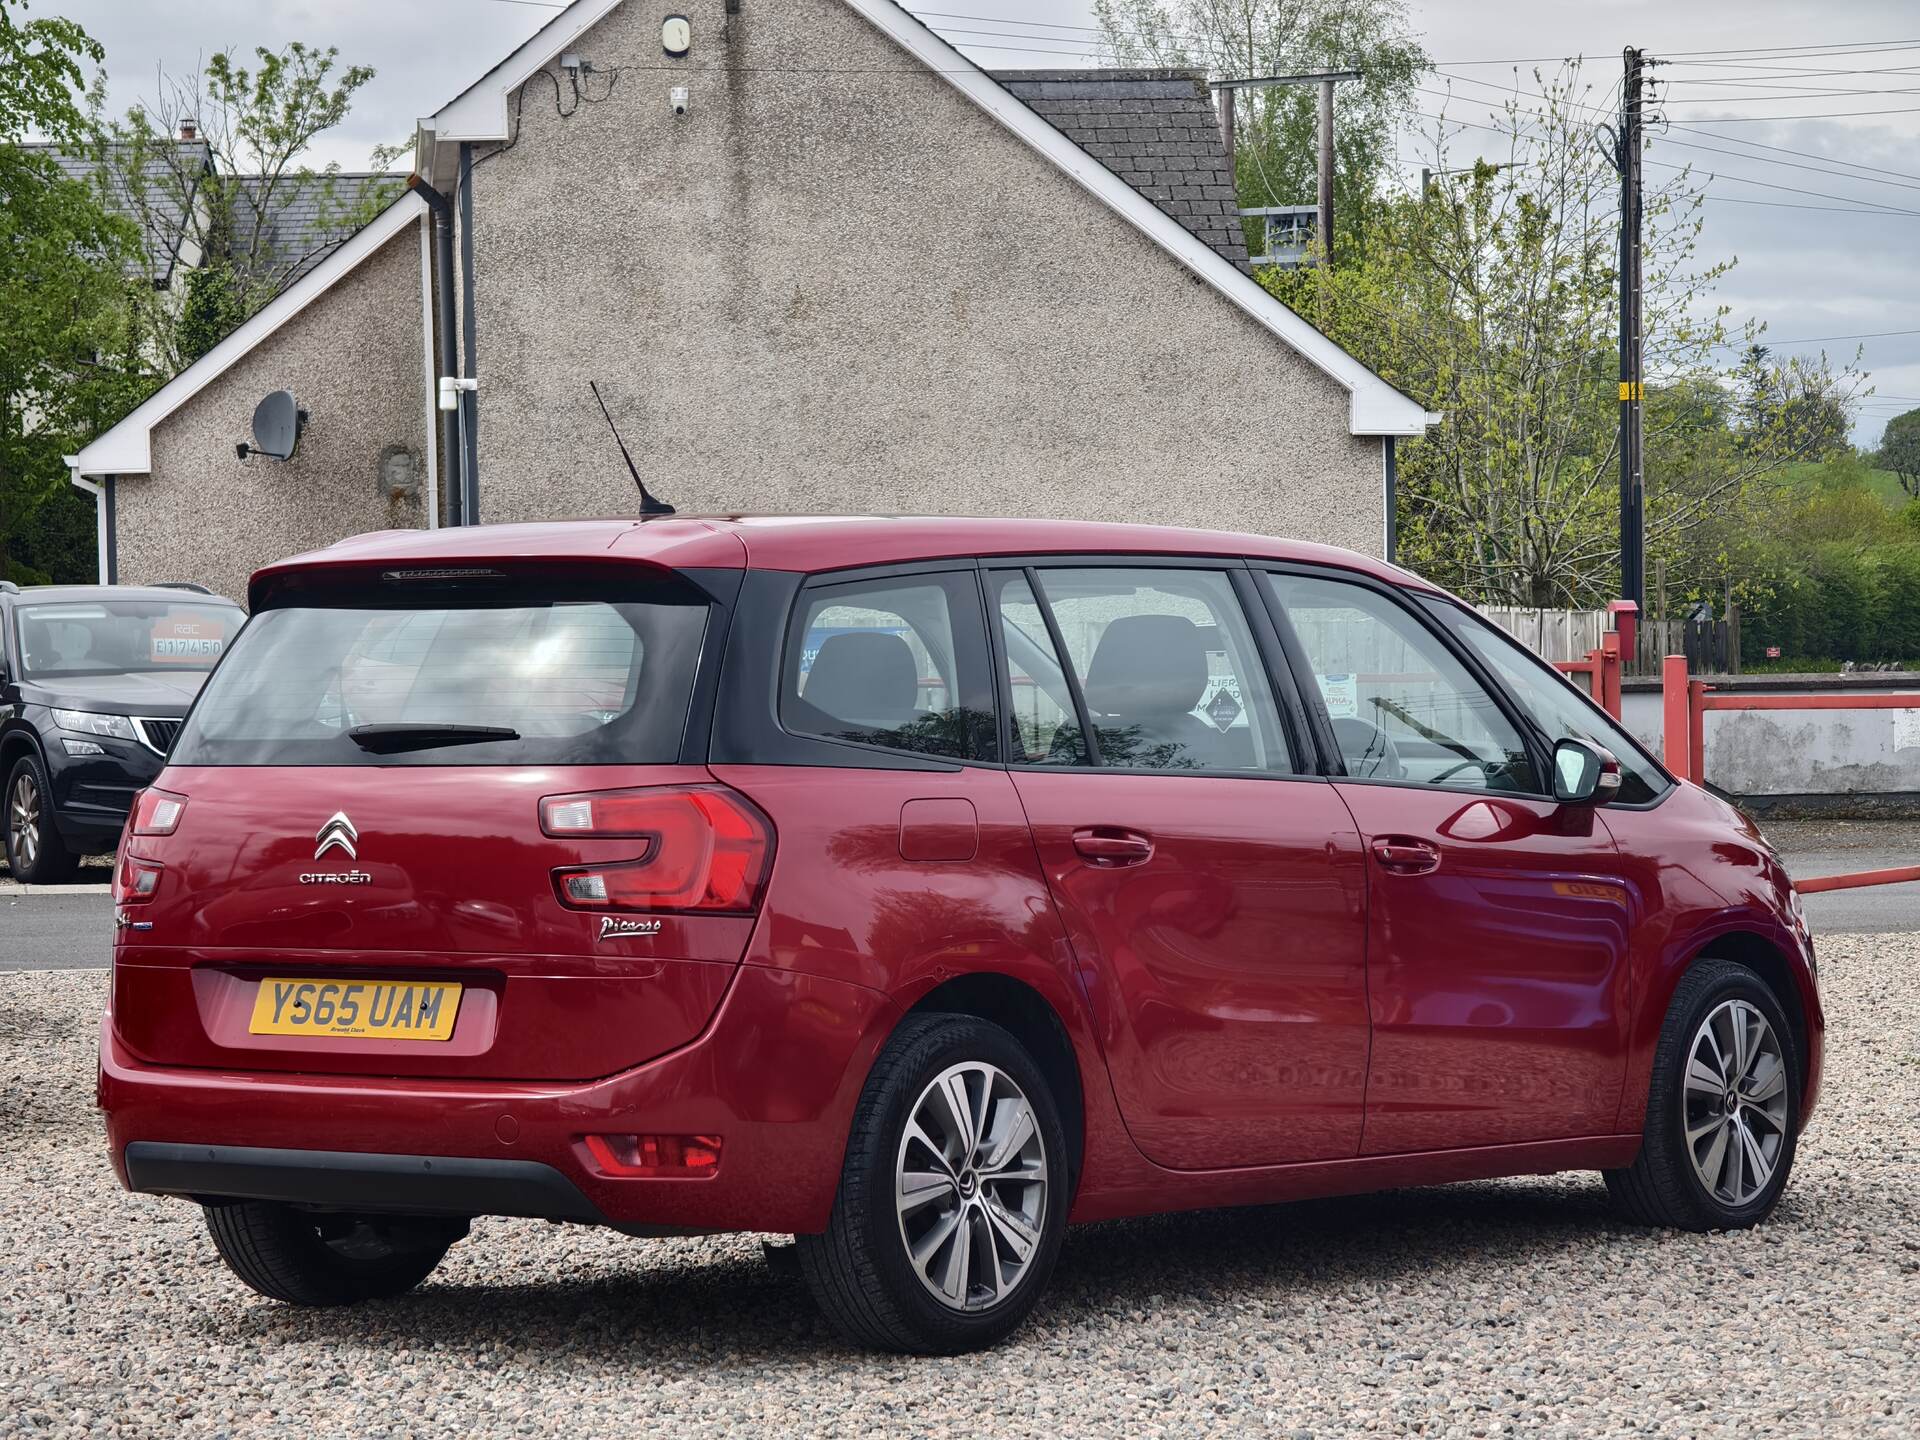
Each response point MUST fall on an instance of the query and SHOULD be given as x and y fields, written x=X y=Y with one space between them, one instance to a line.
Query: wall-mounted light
x=676 y=35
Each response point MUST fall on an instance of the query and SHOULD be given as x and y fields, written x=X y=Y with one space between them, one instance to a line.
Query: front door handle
x=1105 y=846
x=1403 y=855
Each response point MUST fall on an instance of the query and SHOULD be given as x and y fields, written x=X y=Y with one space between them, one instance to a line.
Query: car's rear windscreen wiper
x=389 y=739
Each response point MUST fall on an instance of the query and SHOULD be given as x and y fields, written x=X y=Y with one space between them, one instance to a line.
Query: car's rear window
x=578 y=682
x=115 y=636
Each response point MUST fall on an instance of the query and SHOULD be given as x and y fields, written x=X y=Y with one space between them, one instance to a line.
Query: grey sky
x=1806 y=272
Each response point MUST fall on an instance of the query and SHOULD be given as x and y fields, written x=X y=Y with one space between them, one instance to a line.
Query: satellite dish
x=277 y=423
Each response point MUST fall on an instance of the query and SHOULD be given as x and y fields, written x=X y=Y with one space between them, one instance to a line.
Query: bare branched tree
x=208 y=160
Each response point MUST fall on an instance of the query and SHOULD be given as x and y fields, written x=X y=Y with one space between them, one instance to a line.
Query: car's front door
x=1214 y=895
x=1498 y=919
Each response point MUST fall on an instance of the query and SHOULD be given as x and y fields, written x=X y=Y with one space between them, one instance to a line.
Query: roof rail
x=192 y=585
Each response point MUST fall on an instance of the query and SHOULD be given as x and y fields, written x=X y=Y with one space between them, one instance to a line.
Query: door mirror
x=1584 y=774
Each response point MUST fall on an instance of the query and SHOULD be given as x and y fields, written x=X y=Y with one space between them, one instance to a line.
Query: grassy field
x=1883 y=483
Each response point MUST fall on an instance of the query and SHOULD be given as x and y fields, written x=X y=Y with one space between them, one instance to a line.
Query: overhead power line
x=1769 y=341
x=1785 y=189
x=1786 y=164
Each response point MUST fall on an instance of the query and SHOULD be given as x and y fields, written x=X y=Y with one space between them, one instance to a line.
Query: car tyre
x=945 y=1227
x=310 y=1258
x=35 y=852
x=1723 y=1108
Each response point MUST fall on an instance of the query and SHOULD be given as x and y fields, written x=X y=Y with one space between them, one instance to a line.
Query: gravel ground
x=1514 y=1307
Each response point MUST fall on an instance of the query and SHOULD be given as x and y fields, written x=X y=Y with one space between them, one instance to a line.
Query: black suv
x=94 y=681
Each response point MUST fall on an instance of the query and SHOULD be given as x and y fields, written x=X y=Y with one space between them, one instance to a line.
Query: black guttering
x=1392 y=499
x=469 y=400
x=108 y=484
x=448 y=362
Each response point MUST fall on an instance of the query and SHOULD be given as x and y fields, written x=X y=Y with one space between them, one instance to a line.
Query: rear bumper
x=345 y=1180
x=775 y=1075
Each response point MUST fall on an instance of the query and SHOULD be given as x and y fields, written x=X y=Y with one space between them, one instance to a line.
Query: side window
x=1403 y=707
x=1560 y=710
x=899 y=663
x=1168 y=669
x=1046 y=729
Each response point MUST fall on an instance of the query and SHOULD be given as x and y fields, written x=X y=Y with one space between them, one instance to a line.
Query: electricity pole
x=1633 y=491
x=1325 y=79
x=1326 y=172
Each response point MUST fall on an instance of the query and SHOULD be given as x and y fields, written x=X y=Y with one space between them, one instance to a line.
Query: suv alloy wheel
x=35 y=851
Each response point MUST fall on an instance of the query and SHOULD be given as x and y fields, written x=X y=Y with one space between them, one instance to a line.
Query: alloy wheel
x=1735 y=1103
x=23 y=821
x=970 y=1186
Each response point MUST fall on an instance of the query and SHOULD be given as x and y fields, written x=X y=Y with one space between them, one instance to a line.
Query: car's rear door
x=1212 y=888
x=346 y=844
x=1498 y=919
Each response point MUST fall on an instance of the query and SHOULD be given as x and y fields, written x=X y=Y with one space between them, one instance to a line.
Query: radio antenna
x=649 y=505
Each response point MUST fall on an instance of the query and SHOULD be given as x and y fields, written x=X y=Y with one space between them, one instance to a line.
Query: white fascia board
x=127 y=449
x=1375 y=407
x=480 y=111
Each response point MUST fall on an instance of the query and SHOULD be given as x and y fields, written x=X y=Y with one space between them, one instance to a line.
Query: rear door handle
x=1106 y=846
x=1403 y=855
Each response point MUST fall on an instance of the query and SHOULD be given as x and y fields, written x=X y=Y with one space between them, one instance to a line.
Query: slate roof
x=1156 y=129
x=166 y=201
x=306 y=219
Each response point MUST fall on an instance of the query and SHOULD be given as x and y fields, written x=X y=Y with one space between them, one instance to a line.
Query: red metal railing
x=1604 y=666
x=1684 y=706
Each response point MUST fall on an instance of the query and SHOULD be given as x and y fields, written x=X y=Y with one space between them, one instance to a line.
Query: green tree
x=1493 y=298
x=1799 y=405
x=211 y=310
x=1900 y=451
x=216 y=200
x=63 y=311
x=1277 y=160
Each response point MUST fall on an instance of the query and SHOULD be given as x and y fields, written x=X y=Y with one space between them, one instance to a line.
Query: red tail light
x=707 y=848
x=155 y=812
x=135 y=881
x=694 y=1156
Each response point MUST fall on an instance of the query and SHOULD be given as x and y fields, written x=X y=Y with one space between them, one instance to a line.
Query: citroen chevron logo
x=337 y=834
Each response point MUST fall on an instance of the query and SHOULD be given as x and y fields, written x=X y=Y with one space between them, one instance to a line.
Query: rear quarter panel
x=845 y=903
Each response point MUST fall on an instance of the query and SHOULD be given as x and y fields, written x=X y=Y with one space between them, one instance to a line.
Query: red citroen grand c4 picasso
x=915 y=887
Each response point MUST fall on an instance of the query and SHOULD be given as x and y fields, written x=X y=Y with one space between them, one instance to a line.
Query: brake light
x=694 y=1156
x=155 y=812
x=707 y=848
x=135 y=881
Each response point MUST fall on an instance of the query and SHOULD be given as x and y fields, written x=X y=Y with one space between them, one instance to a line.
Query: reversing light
x=660 y=1156
x=156 y=812
x=703 y=848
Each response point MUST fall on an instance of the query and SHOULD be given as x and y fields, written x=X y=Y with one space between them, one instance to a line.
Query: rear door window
x=898 y=663
x=579 y=682
x=1163 y=660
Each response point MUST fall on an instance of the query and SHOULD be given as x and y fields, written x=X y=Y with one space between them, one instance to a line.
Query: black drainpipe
x=448 y=362
x=1393 y=504
x=469 y=401
x=113 y=531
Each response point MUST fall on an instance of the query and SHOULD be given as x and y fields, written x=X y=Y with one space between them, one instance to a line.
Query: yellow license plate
x=378 y=1009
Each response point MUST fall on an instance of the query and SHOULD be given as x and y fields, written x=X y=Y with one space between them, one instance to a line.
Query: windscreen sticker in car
x=1342 y=694
x=179 y=639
